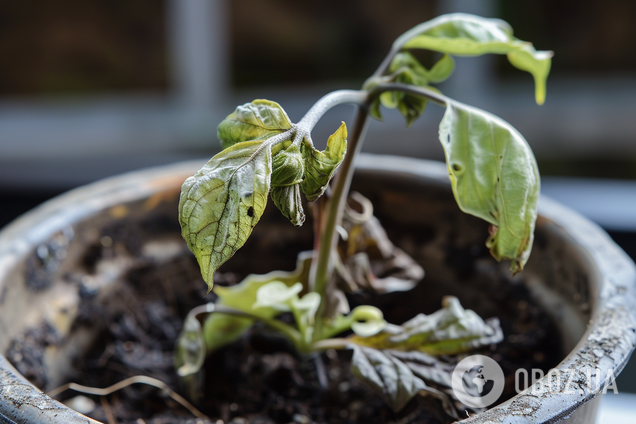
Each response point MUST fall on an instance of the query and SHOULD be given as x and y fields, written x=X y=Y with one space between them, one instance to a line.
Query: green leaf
x=288 y=201
x=288 y=171
x=367 y=321
x=406 y=69
x=538 y=64
x=258 y=120
x=449 y=331
x=223 y=201
x=282 y=298
x=277 y=295
x=287 y=166
x=321 y=166
x=190 y=349
x=469 y=35
x=442 y=69
x=412 y=107
x=374 y=110
x=386 y=375
x=494 y=176
x=221 y=329
x=305 y=308
x=409 y=70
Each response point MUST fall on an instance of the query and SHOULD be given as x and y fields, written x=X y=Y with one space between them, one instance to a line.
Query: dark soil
x=260 y=379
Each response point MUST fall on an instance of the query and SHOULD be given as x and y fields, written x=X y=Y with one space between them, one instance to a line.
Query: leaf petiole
x=290 y=332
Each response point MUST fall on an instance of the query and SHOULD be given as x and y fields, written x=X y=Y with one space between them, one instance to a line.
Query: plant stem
x=431 y=95
x=328 y=101
x=291 y=333
x=322 y=266
x=335 y=204
x=330 y=344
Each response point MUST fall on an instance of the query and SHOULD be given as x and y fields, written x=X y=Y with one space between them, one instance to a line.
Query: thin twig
x=109 y=413
x=138 y=379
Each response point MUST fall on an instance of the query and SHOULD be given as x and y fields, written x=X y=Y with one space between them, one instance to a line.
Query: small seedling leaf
x=277 y=295
x=257 y=120
x=321 y=166
x=221 y=329
x=449 y=331
x=190 y=349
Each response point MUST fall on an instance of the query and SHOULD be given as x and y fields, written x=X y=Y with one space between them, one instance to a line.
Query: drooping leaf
x=494 y=176
x=221 y=329
x=387 y=376
x=412 y=107
x=321 y=166
x=287 y=199
x=536 y=63
x=449 y=331
x=288 y=171
x=442 y=69
x=427 y=367
x=287 y=167
x=406 y=69
x=367 y=242
x=469 y=35
x=223 y=201
x=257 y=120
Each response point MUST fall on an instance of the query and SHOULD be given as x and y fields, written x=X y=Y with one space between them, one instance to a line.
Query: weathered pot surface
x=576 y=271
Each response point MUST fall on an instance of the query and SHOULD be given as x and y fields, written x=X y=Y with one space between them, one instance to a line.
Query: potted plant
x=493 y=176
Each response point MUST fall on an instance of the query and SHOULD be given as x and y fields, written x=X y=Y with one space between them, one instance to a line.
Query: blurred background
x=92 y=88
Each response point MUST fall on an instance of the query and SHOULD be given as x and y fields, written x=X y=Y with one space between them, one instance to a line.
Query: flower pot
x=47 y=278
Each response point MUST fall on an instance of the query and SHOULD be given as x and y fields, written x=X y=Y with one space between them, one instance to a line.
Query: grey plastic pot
x=576 y=271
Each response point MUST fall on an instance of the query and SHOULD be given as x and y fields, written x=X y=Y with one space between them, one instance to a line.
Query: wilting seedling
x=493 y=175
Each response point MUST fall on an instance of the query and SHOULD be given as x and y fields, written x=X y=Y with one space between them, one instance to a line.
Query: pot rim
x=606 y=345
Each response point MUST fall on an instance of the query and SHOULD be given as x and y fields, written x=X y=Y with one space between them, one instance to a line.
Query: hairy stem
x=328 y=101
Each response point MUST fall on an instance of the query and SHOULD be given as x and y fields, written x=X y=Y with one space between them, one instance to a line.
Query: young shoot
x=493 y=176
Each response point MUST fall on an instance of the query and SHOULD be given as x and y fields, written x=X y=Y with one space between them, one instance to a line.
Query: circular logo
x=477 y=381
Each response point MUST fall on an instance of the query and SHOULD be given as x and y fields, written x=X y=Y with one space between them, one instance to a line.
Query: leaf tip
x=210 y=284
x=516 y=267
x=540 y=97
